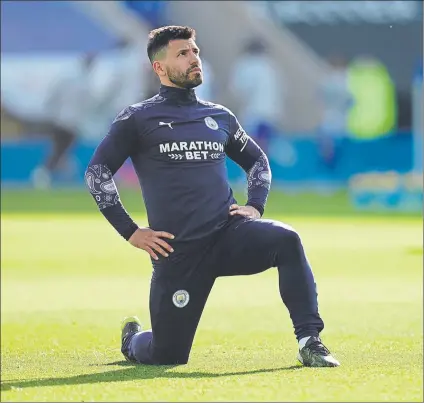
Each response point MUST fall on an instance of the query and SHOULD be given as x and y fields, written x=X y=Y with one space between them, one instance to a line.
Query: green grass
x=68 y=279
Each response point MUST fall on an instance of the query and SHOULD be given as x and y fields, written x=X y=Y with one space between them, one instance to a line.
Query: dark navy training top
x=178 y=145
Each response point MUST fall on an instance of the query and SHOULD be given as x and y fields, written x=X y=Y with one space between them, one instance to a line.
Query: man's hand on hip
x=246 y=211
x=151 y=242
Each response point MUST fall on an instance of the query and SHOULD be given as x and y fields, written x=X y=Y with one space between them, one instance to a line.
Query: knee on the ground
x=173 y=357
x=172 y=361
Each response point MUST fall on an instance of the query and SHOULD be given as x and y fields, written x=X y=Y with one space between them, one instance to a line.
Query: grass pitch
x=68 y=279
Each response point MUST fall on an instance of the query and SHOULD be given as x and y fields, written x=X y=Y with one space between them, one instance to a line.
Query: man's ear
x=159 y=68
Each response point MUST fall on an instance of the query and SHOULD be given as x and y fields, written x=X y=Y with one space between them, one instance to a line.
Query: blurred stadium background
x=331 y=89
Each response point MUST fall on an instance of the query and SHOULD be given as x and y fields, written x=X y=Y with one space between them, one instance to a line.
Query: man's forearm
x=102 y=187
x=246 y=153
x=258 y=184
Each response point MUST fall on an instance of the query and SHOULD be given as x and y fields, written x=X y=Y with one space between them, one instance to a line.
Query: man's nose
x=194 y=58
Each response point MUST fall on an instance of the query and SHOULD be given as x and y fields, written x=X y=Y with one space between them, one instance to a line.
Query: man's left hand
x=246 y=211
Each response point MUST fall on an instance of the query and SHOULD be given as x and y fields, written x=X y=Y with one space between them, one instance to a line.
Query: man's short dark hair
x=159 y=38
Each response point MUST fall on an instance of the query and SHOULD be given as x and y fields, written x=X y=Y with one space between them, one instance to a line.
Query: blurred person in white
x=116 y=79
x=336 y=100
x=121 y=77
x=258 y=84
x=68 y=101
x=81 y=104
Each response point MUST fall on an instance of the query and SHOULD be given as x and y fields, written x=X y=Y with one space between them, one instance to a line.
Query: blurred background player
x=337 y=100
x=258 y=84
x=68 y=102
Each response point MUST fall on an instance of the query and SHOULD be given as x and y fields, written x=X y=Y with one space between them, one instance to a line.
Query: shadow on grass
x=130 y=373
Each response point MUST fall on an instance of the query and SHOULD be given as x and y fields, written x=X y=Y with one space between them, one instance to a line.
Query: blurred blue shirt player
x=197 y=230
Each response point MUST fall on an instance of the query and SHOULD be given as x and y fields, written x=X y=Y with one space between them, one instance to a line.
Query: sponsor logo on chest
x=192 y=150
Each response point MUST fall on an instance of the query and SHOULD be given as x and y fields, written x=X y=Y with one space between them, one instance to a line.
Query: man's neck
x=178 y=94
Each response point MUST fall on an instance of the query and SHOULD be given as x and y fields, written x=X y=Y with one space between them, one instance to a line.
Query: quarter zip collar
x=178 y=95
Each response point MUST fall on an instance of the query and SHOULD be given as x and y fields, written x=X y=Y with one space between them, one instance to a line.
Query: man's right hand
x=150 y=241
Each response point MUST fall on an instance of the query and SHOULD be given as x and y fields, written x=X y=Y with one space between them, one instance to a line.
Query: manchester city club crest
x=180 y=298
x=211 y=123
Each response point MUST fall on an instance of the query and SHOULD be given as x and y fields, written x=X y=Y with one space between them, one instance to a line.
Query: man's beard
x=183 y=80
